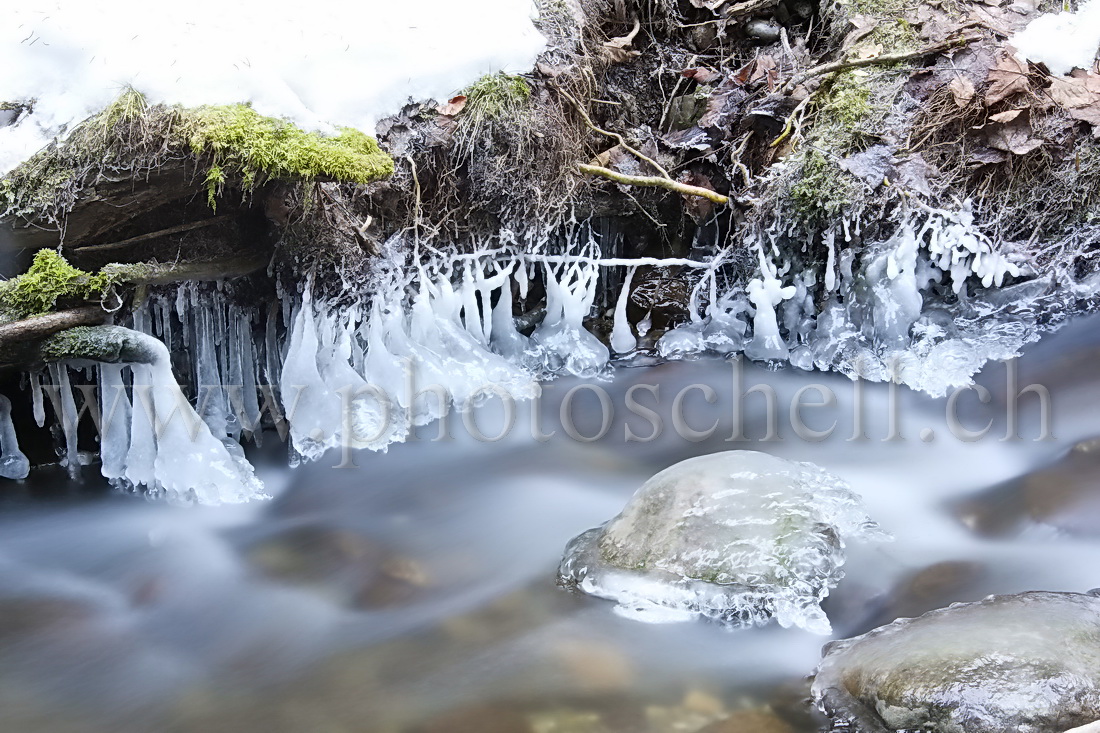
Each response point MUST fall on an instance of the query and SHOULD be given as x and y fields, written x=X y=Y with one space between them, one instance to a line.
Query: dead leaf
x=962 y=89
x=986 y=156
x=766 y=69
x=708 y=4
x=453 y=106
x=1011 y=133
x=862 y=26
x=1005 y=117
x=701 y=74
x=618 y=50
x=1008 y=77
x=867 y=51
x=550 y=71
x=1079 y=95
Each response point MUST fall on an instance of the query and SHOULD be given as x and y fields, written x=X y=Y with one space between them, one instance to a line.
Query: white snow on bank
x=322 y=63
x=1062 y=41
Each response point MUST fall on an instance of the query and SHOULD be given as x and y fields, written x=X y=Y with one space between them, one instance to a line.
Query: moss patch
x=51 y=279
x=243 y=143
x=131 y=138
x=822 y=190
x=496 y=95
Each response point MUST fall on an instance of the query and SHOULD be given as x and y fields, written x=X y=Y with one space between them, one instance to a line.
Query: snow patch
x=1062 y=41
x=327 y=64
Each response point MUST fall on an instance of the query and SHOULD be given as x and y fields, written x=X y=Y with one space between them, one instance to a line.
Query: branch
x=151 y=235
x=613 y=135
x=654 y=182
x=882 y=58
x=39 y=327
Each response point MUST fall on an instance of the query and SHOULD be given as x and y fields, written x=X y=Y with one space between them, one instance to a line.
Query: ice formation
x=72 y=58
x=13 y=464
x=740 y=537
x=875 y=321
x=433 y=332
x=1063 y=41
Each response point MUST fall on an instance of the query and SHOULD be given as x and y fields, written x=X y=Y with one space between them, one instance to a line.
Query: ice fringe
x=437 y=333
x=13 y=464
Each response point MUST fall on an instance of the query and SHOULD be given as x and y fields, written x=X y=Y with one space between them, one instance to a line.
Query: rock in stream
x=740 y=537
x=1028 y=663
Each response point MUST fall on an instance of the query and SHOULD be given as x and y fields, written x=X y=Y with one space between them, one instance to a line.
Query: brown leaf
x=766 y=69
x=867 y=51
x=550 y=71
x=618 y=50
x=962 y=89
x=1011 y=133
x=1079 y=95
x=701 y=74
x=1006 y=117
x=453 y=106
x=1008 y=77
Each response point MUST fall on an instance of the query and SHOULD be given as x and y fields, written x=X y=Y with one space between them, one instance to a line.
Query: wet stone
x=738 y=537
x=1026 y=663
x=750 y=721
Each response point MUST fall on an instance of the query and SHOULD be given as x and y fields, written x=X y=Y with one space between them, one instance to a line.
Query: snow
x=1062 y=41
x=324 y=65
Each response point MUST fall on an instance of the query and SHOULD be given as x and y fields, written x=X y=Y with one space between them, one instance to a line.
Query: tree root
x=40 y=327
x=654 y=182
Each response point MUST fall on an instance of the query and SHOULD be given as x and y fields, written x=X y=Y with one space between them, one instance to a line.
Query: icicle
x=65 y=409
x=190 y=462
x=563 y=343
x=622 y=340
x=310 y=406
x=36 y=399
x=506 y=340
x=115 y=420
x=13 y=464
x=830 y=264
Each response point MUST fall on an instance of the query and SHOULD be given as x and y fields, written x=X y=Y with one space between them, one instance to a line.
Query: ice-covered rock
x=1062 y=41
x=1026 y=663
x=739 y=537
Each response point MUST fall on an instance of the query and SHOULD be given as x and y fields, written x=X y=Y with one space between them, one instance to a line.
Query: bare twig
x=654 y=182
x=883 y=58
x=613 y=135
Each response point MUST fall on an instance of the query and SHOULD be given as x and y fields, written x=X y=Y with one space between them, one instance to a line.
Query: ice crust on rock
x=740 y=537
x=1024 y=662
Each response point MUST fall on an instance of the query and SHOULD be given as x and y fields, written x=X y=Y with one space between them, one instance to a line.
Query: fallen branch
x=882 y=58
x=39 y=327
x=151 y=235
x=654 y=182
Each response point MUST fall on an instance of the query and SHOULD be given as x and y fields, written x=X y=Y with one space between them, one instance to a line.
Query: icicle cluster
x=874 y=322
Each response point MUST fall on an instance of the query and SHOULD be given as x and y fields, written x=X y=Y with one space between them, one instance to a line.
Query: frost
x=740 y=537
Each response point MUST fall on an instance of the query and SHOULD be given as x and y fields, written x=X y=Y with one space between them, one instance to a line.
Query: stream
x=416 y=590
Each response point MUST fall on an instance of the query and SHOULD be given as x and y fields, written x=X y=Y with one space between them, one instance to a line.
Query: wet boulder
x=739 y=537
x=1028 y=663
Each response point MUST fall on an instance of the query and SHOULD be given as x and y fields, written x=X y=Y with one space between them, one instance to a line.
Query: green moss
x=243 y=143
x=822 y=190
x=97 y=343
x=496 y=95
x=51 y=278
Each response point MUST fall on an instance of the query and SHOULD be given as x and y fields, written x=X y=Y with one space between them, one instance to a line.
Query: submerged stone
x=1028 y=663
x=739 y=537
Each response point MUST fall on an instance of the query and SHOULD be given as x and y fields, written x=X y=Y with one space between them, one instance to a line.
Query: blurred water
x=378 y=597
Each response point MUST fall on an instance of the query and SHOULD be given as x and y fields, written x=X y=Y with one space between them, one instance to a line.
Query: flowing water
x=416 y=590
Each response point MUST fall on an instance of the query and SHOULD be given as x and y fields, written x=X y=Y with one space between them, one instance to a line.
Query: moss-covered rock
x=112 y=344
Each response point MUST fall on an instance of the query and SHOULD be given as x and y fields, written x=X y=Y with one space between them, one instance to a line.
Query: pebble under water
x=416 y=591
